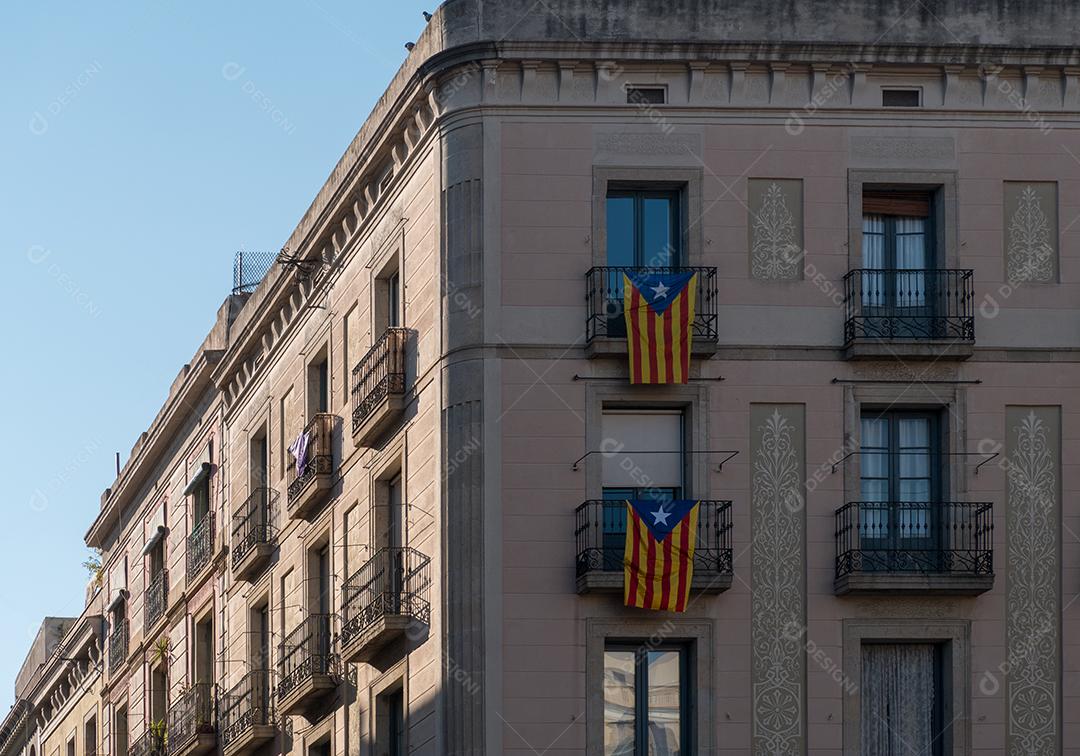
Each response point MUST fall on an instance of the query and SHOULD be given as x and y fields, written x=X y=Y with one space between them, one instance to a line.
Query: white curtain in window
x=898 y=699
x=873 y=251
x=911 y=256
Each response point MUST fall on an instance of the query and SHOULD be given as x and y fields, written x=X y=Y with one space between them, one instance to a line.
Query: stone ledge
x=891 y=583
x=908 y=349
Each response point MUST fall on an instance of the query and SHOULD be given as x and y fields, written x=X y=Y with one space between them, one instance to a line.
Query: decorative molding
x=1033 y=588
x=776 y=229
x=1031 y=232
x=778 y=611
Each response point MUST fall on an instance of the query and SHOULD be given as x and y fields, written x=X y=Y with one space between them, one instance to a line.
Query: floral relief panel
x=1031 y=232
x=1033 y=582
x=776 y=229
x=778 y=588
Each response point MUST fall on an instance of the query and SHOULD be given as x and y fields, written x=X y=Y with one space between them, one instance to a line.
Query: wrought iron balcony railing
x=915 y=537
x=118 y=645
x=604 y=287
x=394 y=582
x=151 y=743
x=194 y=713
x=253 y=524
x=246 y=705
x=909 y=304
x=305 y=652
x=157 y=598
x=319 y=459
x=380 y=373
x=200 y=546
x=601 y=537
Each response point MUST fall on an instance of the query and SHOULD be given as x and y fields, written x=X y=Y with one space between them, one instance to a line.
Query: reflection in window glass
x=619 y=685
x=663 y=698
x=645 y=699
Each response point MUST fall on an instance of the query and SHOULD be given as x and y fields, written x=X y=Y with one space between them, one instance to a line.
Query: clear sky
x=141 y=146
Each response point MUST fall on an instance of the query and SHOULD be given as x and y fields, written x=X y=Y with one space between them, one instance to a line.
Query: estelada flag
x=658 y=560
x=659 y=312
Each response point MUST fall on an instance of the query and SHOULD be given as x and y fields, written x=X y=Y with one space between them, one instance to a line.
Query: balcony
x=254 y=535
x=193 y=721
x=378 y=387
x=118 y=646
x=200 y=547
x=157 y=599
x=912 y=314
x=151 y=743
x=246 y=721
x=914 y=548
x=382 y=600
x=312 y=477
x=304 y=667
x=605 y=325
x=601 y=540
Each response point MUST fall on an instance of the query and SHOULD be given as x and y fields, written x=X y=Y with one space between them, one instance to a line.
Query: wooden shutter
x=912 y=204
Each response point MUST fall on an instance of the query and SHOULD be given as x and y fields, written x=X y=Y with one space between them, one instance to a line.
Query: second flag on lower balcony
x=658 y=562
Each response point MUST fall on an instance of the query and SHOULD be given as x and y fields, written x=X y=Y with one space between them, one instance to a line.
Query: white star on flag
x=660 y=516
x=661 y=290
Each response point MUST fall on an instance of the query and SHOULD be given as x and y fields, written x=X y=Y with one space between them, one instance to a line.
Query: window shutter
x=912 y=204
x=642 y=449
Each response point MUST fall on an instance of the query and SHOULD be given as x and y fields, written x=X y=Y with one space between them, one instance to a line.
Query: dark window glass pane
x=900 y=98
x=620 y=231
x=658 y=242
x=645 y=95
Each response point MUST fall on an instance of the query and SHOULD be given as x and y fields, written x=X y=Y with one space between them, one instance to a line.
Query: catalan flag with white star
x=659 y=311
x=658 y=560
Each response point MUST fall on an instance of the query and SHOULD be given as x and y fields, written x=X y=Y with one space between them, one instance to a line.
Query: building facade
x=383 y=510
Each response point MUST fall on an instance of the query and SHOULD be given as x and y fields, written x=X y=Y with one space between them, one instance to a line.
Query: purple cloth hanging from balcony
x=299 y=450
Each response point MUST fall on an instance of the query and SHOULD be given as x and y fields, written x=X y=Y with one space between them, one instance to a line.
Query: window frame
x=641 y=649
x=639 y=192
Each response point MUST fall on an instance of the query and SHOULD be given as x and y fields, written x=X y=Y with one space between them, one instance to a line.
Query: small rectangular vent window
x=646 y=95
x=901 y=98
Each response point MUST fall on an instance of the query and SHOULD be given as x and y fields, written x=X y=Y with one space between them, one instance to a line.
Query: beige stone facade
x=440 y=572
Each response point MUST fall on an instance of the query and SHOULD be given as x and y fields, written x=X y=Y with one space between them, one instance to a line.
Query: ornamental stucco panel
x=1033 y=582
x=776 y=229
x=1031 y=232
x=778 y=589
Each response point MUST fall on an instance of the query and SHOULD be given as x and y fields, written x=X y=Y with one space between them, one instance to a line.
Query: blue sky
x=141 y=146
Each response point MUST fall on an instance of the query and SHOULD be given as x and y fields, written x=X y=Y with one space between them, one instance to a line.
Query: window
x=204 y=650
x=898 y=250
x=901 y=98
x=903 y=699
x=200 y=499
x=647 y=700
x=318 y=385
x=646 y=95
x=900 y=480
x=120 y=731
x=644 y=227
x=321 y=748
x=393 y=300
x=260 y=637
x=390 y=722
x=90 y=737
x=387 y=298
x=159 y=696
x=259 y=460
x=71 y=747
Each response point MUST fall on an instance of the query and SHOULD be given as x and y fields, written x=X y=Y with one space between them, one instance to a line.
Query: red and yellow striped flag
x=659 y=312
x=658 y=560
